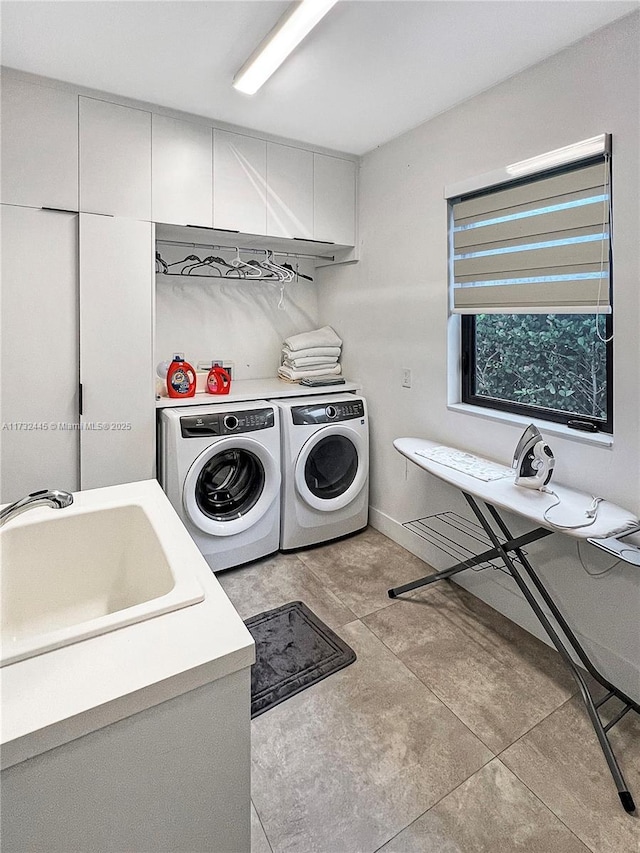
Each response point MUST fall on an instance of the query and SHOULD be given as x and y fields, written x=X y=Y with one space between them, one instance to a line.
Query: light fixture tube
x=569 y=154
x=287 y=34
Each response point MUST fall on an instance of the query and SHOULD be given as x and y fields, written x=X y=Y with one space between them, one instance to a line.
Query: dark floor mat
x=294 y=649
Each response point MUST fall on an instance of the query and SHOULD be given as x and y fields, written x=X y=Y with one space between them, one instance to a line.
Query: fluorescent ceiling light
x=569 y=154
x=287 y=34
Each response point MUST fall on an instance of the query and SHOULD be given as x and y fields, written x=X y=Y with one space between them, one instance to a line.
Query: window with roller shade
x=531 y=270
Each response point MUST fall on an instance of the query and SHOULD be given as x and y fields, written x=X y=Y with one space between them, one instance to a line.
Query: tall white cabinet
x=116 y=351
x=39 y=377
x=77 y=312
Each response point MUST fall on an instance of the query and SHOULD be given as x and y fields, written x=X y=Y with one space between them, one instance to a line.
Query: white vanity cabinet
x=116 y=351
x=289 y=191
x=239 y=183
x=182 y=172
x=39 y=145
x=115 y=159
x=39 y=379
x=334 y=199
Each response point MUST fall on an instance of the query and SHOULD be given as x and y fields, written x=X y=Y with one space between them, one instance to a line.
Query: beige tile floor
x=455 y=731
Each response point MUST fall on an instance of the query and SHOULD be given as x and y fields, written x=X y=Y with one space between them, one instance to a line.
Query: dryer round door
x=331 y=468
x=230 y=486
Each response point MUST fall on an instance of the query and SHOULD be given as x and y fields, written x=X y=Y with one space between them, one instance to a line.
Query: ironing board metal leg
x=447 y=573
x=623 y=792
x=557 y=615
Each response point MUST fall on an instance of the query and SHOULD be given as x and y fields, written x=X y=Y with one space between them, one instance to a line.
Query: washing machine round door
x=230 y=486
x=331 y=468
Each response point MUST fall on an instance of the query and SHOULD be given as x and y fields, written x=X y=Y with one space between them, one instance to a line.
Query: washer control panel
x=226 y=423
x=327 y=413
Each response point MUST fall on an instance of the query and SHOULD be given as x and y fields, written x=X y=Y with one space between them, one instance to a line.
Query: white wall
x=241 y=321
x=391 y=310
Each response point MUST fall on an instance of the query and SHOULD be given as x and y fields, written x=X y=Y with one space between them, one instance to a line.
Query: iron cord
x=591 y=513
x=591 y=574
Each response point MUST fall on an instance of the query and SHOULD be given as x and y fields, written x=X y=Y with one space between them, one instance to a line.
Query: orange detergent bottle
x=181 y=377
x=218 y=380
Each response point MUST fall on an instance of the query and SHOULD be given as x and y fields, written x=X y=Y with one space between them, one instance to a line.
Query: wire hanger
x=283 y=274
x=161 y=266
x=271 y=274
x=209 y=263
x=189 y=260
x=297 y=272
x=246 y=269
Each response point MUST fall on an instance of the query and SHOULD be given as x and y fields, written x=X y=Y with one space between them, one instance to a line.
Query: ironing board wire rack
x=456 y=536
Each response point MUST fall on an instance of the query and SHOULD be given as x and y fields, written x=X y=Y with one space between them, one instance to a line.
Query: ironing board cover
x=611 y=520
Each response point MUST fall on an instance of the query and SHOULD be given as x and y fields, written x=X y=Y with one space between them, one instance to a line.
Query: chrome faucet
x=45 y=497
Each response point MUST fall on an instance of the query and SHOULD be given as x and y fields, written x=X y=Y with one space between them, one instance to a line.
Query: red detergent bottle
x=218 y=380
x=181 y=377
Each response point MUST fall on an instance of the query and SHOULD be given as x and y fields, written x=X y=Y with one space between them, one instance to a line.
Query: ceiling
x=367 y=73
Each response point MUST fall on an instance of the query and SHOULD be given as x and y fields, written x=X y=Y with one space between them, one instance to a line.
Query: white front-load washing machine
x=325 y=468
x=220 y=468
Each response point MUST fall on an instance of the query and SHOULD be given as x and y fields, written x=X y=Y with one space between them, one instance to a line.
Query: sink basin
x=74 y=573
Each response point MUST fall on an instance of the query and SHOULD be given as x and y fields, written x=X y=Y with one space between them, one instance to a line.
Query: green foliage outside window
x=556 y=361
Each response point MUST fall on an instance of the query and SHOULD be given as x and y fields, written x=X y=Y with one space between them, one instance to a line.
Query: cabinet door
x=334 y=199
x=39 y=145
x=115 y=159
x=289 y=191
x=182 y=172
x=116 y=371
x=239 y=183
x=39 y=376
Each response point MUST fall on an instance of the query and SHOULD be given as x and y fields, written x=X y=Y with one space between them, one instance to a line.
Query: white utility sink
x=105 y=562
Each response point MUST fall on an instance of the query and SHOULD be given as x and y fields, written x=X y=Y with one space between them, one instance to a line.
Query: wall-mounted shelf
x=321 y=253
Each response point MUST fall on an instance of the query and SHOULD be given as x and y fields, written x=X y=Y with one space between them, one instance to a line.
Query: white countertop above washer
x=258 y=389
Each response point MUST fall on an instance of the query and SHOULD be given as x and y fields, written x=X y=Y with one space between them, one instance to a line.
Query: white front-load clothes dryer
x=325 y=468
x=220 y=468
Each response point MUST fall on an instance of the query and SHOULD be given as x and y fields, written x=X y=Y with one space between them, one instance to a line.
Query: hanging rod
x=255 y=251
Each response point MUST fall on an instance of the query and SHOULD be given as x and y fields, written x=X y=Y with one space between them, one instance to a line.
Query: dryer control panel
x=226 y=423
x=328 y=413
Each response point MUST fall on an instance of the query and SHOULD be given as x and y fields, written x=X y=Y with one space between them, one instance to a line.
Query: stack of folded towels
x=313 y=353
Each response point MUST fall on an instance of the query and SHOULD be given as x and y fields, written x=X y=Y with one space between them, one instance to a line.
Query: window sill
x=598 y=439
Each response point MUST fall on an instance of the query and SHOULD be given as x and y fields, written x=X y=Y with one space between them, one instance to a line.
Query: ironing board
x=609 y=525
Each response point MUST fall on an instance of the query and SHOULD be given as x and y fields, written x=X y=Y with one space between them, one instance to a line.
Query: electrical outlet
x=406 y=377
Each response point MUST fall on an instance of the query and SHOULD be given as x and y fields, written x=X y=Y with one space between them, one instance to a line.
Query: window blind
x=539 y=246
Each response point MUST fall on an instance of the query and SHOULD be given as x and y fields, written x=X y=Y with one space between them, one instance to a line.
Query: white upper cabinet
x=116 y=351
x=115 y=159
x=289 y=191
x=239 y=182
x=334 y=199
x=39 y=145
x=182 y=172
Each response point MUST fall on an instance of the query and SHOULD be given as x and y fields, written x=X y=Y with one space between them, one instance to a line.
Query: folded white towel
x=311 y=352
x=323 y=360
x=293 y=375
x=324 y=337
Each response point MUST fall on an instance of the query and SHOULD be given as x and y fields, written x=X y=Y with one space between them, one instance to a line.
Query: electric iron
x=533 y=460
